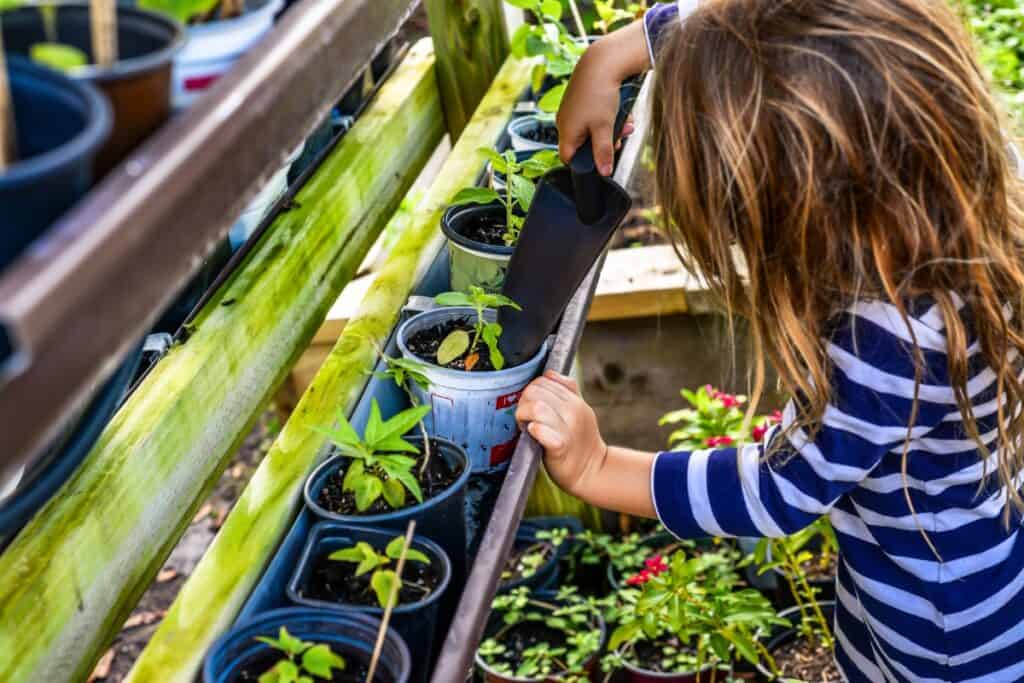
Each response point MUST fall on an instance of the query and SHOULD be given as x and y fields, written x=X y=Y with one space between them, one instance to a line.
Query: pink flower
x=760 y=431
x=639 y=579
x=656 y=565
x=775 y=417
x=715 y=441
x=729 y=401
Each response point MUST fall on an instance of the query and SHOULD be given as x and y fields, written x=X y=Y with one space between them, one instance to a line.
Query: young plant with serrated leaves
x=367 y=559
x=459 y=343
x=405 y=372
x=549 y=39
x=697 y=605
x=815 y=546
x=378 y=466
x=568 y=614
x=520 y=187
x=302 y=662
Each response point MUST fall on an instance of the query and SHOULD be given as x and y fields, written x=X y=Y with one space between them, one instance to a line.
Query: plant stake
x=103 y=20
x=382 y=632
x=7 y=146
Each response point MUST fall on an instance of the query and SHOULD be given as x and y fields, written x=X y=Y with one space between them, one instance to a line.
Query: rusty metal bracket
x=74 y=303
x=475 y=606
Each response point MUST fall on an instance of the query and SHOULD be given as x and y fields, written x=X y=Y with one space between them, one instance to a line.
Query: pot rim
x=122 y=68
x=492 y=375
x=368 y=520
x=467 y=243
x=515 y=124
x=209 y=27
x=99 y=121
x=325 y=529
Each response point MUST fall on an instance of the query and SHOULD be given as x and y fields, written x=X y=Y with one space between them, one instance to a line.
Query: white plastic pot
x=520 y=143
x=261 y=205
x=475 y=410
x=212 y=48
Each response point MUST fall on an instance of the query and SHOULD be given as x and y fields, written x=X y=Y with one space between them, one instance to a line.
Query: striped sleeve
x=740 y=492
x=661 y=15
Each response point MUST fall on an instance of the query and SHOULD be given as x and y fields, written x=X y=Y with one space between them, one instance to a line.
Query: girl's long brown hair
x=847 y=150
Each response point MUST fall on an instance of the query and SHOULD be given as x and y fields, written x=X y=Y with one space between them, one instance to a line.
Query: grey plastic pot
x=519 y=126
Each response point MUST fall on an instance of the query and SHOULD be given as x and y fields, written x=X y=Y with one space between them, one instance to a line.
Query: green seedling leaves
x=182 y=10
x=382 y=583
x=453 y=299
x=320 y=661
x=452 y=347
x=552 y=99
x=58 y=56
x=488 y=332
x=475 y=195
x=316 y=660
x=368 y=489
x=491 y=333
x=363 y=554
x=394 y=493
x=394 y=551
x=369 y=559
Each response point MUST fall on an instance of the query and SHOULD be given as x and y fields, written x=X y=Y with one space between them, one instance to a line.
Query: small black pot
x=60 y=126
x=415 y=622
x=546 y=576
x=138 y=85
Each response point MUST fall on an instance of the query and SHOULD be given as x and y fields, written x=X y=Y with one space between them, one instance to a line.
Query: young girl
x=838 y=173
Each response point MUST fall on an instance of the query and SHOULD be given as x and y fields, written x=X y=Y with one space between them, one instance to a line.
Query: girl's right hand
x=591 y=101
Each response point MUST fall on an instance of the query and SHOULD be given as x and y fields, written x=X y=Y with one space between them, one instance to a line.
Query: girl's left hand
x=555 y=414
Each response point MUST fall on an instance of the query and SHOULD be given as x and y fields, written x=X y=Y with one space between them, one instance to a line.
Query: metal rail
x=475 y=605
x=74 y=303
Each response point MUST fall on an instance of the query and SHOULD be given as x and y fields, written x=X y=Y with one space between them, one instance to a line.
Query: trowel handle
x=586 y=180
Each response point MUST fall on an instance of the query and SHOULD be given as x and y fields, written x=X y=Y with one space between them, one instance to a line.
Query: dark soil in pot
x=333 y=581
x=805 y=661
x=438 y=476
x=253 y=668
x=519 y=566
x=545 y=134
x=484 y=228
x=424 y=343
x=522 y=637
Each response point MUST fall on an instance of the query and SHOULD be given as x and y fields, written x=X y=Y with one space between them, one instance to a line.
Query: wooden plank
x=72 y=576
x=222 y=581
x=471 y=42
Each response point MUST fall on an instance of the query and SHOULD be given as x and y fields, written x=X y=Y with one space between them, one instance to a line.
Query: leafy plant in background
x=714 y=419
x=998 y=26
x=550 y=39
x=458 y=343
x=378 y=468
x=405 y=372
x=699 y=602
x=520 y=186
x=195 y=11
x=610 y=15
x=791 y=556
x=302 y=661
x=534 y=557
x=368 y=559
x=568 y=614
x=51 y=53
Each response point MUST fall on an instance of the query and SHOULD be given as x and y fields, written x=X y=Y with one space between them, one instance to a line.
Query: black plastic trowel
x=574 y=214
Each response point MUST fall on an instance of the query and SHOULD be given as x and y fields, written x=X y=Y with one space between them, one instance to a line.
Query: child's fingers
x=604 y=147
x=563 y=380
x=549 y=439
x=540 y=409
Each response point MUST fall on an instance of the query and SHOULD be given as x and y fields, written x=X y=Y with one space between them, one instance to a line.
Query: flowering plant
x=693 y=605
x=714 y=419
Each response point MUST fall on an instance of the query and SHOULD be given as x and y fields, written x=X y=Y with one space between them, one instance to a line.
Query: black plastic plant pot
x=441 y=518
x=785 y=637
x=60 y=126
x=496 y=623
x=637 y=674
x=416 y=622
x=546 y=576
x=138 y=85
x=473 y=262
x=349 y=634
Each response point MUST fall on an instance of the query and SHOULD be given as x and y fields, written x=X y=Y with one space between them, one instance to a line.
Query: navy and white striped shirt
x=902 y=614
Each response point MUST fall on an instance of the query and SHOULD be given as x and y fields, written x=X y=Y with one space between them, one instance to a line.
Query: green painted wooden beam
x=220 y=584
x=72 y=576
x=471 y=42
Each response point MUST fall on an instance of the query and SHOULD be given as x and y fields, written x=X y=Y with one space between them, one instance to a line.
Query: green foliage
x=182 y=10
x=528 y=563
x=378 y=468
x=520 y=186
x=547 y=38
x=368 y=559
x=457 y=345
x=998 y=26
x=405 y=371
x=700 y=602
x=302 y=663
x=816 y=544
x=713 y=419
x=58 y=56
x=569 y=614
x=610 y=16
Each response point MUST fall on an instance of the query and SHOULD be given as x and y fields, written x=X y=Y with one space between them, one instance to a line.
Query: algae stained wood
x=471 y=42
x=217 y=589
x=72 y=576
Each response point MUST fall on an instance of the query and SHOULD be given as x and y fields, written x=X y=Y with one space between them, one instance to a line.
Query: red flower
x=759 y=431
x=656 y=565
x=719 y=441
x=729 y=401
x=639 y=579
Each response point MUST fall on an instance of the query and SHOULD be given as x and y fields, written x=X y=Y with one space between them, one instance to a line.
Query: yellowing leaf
x=453 y=346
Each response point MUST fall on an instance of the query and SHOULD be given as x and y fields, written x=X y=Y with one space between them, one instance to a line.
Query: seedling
x=369 y=560
x=520 y=186
x=405 y=372
x=698 y=601
x=548 y=38
x=303 y=662
x=196 y=11
x=378 y=468
x=66 y=58
x=458 y=343
x=571 y=615
x=791 y=556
